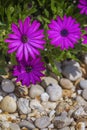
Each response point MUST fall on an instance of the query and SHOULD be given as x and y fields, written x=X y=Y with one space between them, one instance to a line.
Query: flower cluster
x=27 y=39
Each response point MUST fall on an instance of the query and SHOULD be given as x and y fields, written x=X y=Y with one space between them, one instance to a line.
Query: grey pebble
x=83 y=84
x=7 y=86
x=14 y=126
x=42 y=122
x=26 y=124
x=54 y=91
x=23 y=106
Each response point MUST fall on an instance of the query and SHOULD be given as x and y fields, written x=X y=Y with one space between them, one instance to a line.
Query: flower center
x=28 y=69
x=64 y=32
x=24 y=39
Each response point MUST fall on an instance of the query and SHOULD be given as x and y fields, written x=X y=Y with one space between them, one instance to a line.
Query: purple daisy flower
x=85 y=37
x=83 y=6
x=26 y=39
x=29 y=72
x=64 y=32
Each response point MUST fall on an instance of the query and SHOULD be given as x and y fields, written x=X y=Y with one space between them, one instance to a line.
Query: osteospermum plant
x=59 y=25
x=26 y=39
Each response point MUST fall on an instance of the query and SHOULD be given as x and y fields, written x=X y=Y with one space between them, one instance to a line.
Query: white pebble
x=44 y=97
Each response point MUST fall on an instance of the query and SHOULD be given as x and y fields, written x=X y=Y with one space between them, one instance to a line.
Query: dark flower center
x=28 y=69
x=64 y=32
x=24 y=39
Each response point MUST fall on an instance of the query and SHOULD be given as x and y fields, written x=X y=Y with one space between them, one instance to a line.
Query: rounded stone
x=44 y=97
x=65 y=128
x=35 y=90
x=84 y=94
x=72 y=72
x=8 y=104
x=42 y=122
x=7 y=86
x=26 y=124
x=54 y=91
x=66 y=83
x=83 y=84
x=14 y=126
x=23 y=106
x=50 y=80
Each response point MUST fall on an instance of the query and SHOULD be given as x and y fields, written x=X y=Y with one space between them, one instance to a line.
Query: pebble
x=54 y=91
x=42 y=122
x=84 y=94
x=80 y=113
x=49 y=80
x=35 y=104
x=8 y=104
x=7 y=86
x=23 y=105
x=81 y=101
x=59 y=66
x=49 y=105
x=21 y=91
x=35 y=90
x=27 y=124
x=72 y=72
x=83 y=84
x=62 y=120
x=14 y=126
x=66 y=83
x=44 y=97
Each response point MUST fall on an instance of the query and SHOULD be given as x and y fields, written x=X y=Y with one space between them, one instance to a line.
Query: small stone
x=81 y=101
x=72 y=71
x=7 y=86
x=49 y=105
x=23 y=106
x=44 y=97
x=26 y=124
x=8 y=104
x=62 y=120
x=35 y=104
x=1 y=97
x=21 y=91
x=42 y=122
x=35 y=90
x=83 y=84
x=67 y=93
x=66 y=83
x=80 y=113
x=49 y=80
x=62 y=106
x=84 y=94
x=54 y=91
x=14 y=126
x=80 y=126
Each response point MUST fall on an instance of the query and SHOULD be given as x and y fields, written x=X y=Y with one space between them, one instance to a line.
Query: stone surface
x=14 y=126
x=66 y=83
x=27 y=124
x=23 y=105
x=35 y=104
x=62 y=121
x=35 y=90
x=42 y=122
x=65 y=128
x=83 y=84
x=49 y=80
x=44 y=97
x=8 y=104
x=84 y=94
x=7 y=86
x=72 y=71
x=54 y=91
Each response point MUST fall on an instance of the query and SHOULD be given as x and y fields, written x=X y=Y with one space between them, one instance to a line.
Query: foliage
x=44 y=11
